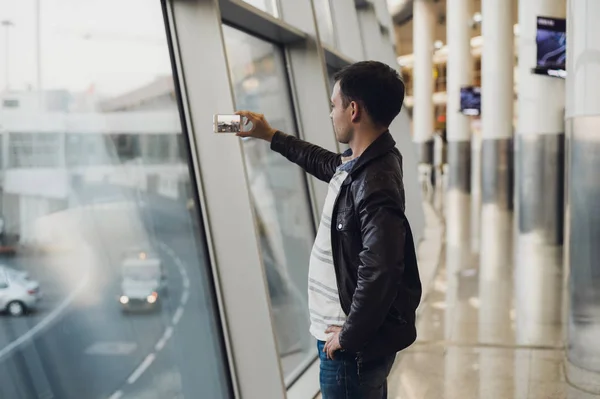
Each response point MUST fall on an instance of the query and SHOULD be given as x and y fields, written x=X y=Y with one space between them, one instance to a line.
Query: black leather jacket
x=372 y=245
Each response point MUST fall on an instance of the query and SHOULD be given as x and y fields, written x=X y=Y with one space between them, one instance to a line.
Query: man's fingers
x=330 y=353
x=249 y=117
x=326 y=349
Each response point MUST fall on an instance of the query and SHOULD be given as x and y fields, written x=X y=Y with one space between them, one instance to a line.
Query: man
x=364 y=284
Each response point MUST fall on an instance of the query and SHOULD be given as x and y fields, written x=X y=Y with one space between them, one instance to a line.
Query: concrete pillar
x=497 y=102
x=582 y=216
x=539 y=209
x=458 y=132
x=423 y=111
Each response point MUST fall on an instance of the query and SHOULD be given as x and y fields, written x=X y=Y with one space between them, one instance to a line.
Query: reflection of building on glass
x=80 y=138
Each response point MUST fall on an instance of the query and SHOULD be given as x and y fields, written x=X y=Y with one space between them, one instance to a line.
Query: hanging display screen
x=470 y=100
x=551 y=40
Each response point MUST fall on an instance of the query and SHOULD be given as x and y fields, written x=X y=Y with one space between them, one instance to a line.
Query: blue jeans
x=341 y=377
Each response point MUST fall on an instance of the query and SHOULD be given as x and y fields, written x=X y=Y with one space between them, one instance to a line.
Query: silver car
x=18 y=294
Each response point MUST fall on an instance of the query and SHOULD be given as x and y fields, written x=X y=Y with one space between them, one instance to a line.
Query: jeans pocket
x=373 y=374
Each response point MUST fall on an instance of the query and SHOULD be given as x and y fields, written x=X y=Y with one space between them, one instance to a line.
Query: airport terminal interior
x=146 y=252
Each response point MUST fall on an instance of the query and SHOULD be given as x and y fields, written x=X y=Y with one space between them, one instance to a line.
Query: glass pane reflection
x=103 y=272
x=279 y=193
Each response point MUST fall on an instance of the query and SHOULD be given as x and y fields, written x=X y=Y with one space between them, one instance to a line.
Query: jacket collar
x=380 y=146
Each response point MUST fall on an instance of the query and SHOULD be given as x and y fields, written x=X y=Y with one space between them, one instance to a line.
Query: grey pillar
x=539 y=184
x=476 y=190
x=423 y=38
x=497 y=104
x=460 y=73
x=582 y=233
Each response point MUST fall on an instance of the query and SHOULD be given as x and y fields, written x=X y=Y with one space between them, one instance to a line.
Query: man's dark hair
x=375 y=86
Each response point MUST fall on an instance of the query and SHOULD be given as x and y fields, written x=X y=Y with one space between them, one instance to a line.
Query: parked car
x=18 y=293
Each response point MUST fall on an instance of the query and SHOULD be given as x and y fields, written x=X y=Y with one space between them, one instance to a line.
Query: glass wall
x=279 y=192
x=103 y=277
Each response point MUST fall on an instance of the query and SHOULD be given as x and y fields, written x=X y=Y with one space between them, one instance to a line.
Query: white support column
x=497 y=104
x=459 y=66
x=423 y=111
x=539 y=209
x=460 y=73
x=582 y=219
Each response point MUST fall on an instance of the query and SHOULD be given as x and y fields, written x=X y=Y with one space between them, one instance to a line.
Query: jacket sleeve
x=315 y=160
x=383 y=231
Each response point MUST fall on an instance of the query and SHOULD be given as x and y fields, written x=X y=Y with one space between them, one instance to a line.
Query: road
x=89 y=348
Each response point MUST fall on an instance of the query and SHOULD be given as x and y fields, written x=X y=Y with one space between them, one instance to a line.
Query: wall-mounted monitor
x=551 y=40
x=470 y=100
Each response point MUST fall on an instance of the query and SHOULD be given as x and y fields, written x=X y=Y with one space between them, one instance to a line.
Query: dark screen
x=551 y=40
x=470 y=100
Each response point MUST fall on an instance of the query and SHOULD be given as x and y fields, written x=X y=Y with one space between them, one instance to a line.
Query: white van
x=142 y=279
x=18 y=294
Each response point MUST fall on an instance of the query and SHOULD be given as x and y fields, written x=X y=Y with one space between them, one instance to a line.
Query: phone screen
x=227 y=123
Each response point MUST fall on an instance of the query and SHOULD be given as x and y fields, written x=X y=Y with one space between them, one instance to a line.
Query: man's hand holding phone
x=260 y=127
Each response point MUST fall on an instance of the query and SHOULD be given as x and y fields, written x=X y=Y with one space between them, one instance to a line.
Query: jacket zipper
x=334 y=246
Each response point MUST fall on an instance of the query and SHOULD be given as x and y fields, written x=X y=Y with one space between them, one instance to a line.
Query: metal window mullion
x=257 y=22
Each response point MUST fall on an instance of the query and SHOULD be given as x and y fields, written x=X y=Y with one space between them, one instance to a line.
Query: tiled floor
x=482 y=341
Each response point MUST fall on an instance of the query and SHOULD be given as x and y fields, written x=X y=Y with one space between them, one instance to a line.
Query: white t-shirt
x=323 y=299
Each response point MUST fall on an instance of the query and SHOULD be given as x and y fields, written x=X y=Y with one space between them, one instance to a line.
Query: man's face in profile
x=340 y=116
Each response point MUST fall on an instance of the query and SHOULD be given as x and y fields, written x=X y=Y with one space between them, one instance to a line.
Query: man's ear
x=356 y=112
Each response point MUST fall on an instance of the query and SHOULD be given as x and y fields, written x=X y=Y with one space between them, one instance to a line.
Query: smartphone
x=227 y=123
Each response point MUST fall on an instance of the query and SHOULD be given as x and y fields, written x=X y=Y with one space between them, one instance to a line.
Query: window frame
x=289 y=381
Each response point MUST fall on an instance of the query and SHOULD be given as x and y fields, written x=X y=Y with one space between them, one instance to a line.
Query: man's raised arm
x=315 y=160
